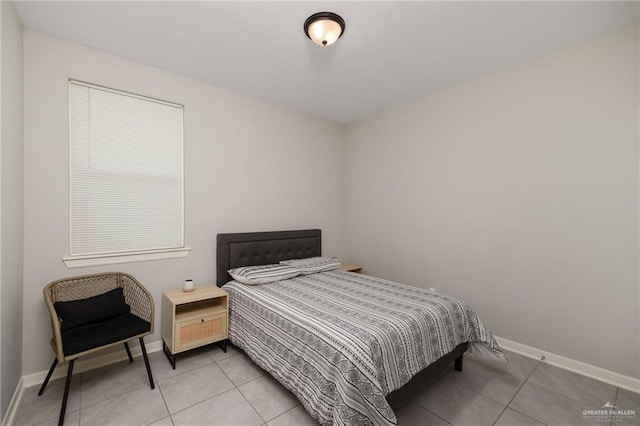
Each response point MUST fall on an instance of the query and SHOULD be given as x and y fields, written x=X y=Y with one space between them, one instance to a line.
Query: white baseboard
x=12 y=409
x=80 y=366
x=607 y=376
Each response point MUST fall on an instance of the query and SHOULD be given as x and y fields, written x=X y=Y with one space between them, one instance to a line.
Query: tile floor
x=210 y=387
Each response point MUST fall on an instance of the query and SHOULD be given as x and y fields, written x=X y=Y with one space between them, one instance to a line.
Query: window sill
x=112 y=259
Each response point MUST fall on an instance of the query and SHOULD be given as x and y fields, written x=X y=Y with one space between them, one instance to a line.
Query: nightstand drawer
x=202 y=331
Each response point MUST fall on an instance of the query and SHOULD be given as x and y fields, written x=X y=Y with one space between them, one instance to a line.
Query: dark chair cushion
x=76 y=313
x=96 y=334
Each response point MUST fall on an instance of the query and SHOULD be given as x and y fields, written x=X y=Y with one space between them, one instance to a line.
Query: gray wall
x=249 y=166
x=10 y=206
x=517 y=192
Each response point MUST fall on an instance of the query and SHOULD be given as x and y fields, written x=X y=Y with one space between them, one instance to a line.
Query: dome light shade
x=324 y=28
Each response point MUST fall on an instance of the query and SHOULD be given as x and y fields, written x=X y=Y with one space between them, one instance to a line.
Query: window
x=127 y=184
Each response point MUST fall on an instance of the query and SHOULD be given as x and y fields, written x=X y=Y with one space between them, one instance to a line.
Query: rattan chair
x=81 y=311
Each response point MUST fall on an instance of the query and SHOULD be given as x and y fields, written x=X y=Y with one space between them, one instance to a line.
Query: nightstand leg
x=223 y=345
x=170 y=357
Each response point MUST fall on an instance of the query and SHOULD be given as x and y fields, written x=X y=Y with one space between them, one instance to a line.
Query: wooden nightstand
x=350 y=267
x=193 y=319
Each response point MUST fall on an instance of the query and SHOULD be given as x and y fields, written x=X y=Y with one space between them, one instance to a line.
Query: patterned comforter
x=341 y=341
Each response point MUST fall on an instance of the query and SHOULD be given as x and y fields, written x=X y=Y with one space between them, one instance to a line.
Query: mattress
x=342 y=341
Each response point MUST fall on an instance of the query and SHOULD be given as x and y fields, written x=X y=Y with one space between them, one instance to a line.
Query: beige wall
x=250 y=166
x=517 y=192
x=10 y=206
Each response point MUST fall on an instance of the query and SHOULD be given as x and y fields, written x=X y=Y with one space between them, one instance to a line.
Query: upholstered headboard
x=263 y=248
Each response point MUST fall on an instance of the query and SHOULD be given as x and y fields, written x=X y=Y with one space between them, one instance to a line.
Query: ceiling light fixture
x=324 y=28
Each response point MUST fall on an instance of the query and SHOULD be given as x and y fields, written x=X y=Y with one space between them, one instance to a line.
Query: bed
x=349 y=346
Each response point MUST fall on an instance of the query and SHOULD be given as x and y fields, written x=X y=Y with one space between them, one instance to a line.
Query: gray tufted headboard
x=263 y=248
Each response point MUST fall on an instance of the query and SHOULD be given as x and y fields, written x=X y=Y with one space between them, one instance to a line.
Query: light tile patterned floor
x=210 y=387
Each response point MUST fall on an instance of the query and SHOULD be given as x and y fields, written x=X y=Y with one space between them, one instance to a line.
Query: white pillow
x=312 y=265
x=263 y=274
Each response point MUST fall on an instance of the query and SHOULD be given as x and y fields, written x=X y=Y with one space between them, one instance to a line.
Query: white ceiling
x=390 y=53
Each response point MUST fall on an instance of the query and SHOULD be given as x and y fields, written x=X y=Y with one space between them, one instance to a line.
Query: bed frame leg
x=458 y=363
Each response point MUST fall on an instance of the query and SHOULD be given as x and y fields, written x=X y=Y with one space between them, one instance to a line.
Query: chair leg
x=126 y=346
x=146 y=363
x=67 y=385
x=44 y=384
x=458 y=363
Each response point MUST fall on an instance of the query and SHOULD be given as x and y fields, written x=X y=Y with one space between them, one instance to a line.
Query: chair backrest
x=83 y=287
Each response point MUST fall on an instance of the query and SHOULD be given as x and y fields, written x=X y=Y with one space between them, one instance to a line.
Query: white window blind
x=126 y=172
